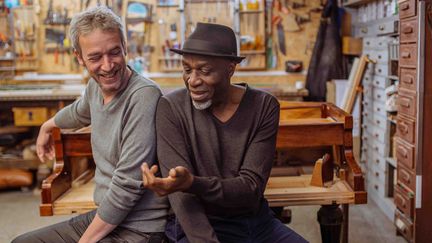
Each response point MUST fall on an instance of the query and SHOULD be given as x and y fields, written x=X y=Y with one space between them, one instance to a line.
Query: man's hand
x=178 y=179
x=44 y=142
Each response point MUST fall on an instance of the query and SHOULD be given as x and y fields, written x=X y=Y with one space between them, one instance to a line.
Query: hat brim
x=237 y=59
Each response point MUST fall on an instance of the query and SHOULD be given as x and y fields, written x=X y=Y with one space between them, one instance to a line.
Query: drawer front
x=30 y=116
x=378 y=147
x=379 y=108
x=367 y=92
x=379 y=82
x=364 y=30
x=408 y=30
x=379 y=95
x=379 y=134
x=408 y=55
x=406 y=102
x=376 y=43
x=386 y=28
x=368 y=106
x=403 y=225
x=379 y=121
x=404 y=202
x=378 y=161
x=375 y=185
x=407 y=9
x=406 y=177
x=378 y=56
x=405 y=153
x=367 y=79
x=381 y=69
x=406 y=129
x=408 y=79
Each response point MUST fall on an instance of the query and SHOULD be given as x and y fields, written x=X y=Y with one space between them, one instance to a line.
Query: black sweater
x=231 y=161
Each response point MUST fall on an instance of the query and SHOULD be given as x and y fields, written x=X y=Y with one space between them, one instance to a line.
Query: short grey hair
x=100 y=17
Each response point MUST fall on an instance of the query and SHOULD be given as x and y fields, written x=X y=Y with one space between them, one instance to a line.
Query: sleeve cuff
x=198 y=186
x=111 y=214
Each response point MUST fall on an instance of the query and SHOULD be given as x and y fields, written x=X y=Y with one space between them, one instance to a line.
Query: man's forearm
x=97 y=230
x=49 y=125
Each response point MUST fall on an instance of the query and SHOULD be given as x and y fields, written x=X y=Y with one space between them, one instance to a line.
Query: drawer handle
x=403 y=128
x=378 y=109
x=401 y=200
x=405 y=176
x=379 y=96
x=376 y=135
x=404 y=6
x=379 y=70
x=376 y=174
x=376 y=148
x=405 y=102
x=407 y=30
x=408 y=80
x=378 y=122
x=403 y=151
x=381 y=27
x=364 y=30
x=406 y=54
x=377 y=161
x=376 y=187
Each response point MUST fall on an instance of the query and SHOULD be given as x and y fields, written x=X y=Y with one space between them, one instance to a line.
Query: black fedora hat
x=211 y=40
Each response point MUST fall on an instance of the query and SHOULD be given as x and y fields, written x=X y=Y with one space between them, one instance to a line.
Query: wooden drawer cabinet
x=406 y=129
x=405 y=153
x=408 y=31
x=406 y=103
x=404 y=201
x=406 y=177
x=407 y=9
x=408 y=55
x=408 y=79
x=403 y=225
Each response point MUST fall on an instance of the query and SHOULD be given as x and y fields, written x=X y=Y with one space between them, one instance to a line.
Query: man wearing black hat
x=215 y=145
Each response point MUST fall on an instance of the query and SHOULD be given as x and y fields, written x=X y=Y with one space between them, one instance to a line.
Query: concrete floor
x=19 y=213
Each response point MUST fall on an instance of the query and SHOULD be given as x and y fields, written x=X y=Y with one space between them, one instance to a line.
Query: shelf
x=393 y=77
x=19 y=163
x=7 y=68
x=355 y=3
x=250 y=11
x=252 y=52
x=7 y=58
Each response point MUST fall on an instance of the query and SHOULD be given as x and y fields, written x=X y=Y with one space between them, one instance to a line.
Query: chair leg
x=330 y=218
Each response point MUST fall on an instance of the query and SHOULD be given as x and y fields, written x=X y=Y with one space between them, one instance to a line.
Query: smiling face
x=207 y=79
x=104 y=56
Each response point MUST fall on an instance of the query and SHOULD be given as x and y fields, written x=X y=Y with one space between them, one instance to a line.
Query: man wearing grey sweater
x=120 y=106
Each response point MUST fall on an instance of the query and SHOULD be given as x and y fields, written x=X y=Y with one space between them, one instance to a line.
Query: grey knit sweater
x=123 y=137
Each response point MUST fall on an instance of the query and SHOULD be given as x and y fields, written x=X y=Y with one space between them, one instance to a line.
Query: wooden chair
x=70 y=188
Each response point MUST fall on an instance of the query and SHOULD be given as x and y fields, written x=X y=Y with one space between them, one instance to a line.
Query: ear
x=79 y=58
x=231 y=68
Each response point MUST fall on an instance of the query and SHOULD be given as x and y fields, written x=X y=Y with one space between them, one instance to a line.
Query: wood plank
x=76 y=200
x=296 y=190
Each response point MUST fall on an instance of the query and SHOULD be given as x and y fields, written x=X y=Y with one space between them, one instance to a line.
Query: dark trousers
x=72 y=230
x=260 y=228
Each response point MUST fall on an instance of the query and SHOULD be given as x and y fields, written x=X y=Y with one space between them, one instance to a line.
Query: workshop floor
x=19 y=213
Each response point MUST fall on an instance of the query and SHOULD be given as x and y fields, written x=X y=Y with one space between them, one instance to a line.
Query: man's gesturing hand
x=178 y=179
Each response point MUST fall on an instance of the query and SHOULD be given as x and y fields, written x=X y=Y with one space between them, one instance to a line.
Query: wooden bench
x=302 y=125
